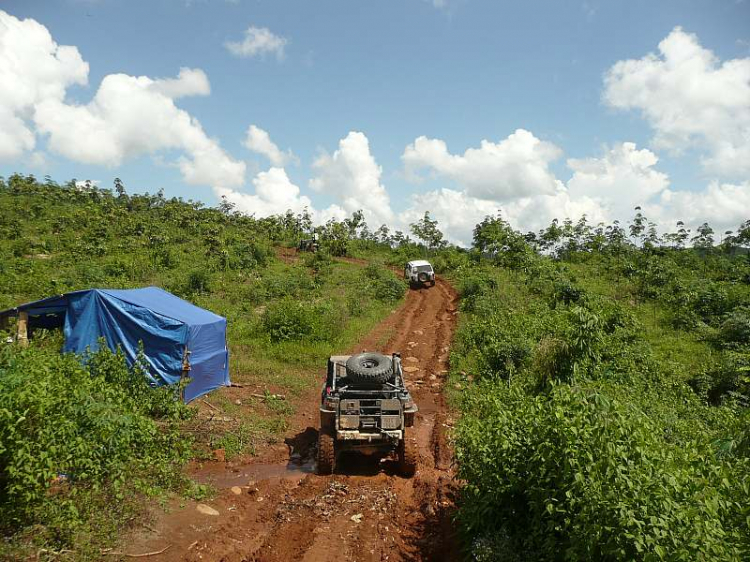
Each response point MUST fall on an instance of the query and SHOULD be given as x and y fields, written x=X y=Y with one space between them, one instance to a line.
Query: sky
x=464 y=108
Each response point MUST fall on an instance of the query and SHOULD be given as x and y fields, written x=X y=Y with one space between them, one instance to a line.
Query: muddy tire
x=423 y=277
x=369 y=368
x=326 y=453
x=407 y=456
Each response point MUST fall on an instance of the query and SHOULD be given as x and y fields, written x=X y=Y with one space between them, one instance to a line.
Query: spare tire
x=423 y=277
x=369 y=368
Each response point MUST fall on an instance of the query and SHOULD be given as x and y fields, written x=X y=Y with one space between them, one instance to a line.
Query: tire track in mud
x=364 y=512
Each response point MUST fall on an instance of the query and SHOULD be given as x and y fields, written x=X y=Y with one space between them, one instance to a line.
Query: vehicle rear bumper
x=355 y=435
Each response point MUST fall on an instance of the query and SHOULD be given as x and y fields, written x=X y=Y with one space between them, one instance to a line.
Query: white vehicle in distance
x=419 y=273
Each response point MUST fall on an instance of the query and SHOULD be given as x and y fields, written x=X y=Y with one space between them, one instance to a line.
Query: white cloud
x=691 y=99
x=258 y=41
x=276 y=194
x=622 y=179
x=189 y=82
x=513 y=167
x=130 y=116
x=352 y=175
x=258 y=140
x=457 y=212
x=723 y=205
x=32 y=68
x=15 y=137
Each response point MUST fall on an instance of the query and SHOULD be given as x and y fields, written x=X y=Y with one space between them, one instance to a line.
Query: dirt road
x=276 y=509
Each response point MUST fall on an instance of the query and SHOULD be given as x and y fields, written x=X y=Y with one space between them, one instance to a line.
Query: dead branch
x=144 y=555
x=269 y=396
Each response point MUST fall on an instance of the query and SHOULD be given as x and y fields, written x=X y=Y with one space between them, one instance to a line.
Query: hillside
x=584 y=390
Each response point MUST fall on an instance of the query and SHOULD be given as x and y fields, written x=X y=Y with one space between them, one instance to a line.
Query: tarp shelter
x=167 y=325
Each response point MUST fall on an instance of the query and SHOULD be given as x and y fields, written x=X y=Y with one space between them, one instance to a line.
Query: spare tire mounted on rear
x=369 y=368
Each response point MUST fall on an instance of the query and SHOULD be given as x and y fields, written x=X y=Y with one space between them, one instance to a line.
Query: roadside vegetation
x=607 y=384
x=601 y=373
x=82 y=445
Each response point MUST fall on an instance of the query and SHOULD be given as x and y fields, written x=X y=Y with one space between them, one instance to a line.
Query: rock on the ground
x=206 y=509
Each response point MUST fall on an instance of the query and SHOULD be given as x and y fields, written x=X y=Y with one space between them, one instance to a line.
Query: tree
x=426 y=230
x=354 y=223
x=743 y=234
x=119 y=187
x=383 y=234
x=226 y=206
x=495 y=236
x=704 y=238
x=305 y=220
x=638 y=227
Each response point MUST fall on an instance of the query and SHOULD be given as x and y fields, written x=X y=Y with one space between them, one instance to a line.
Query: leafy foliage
x=606 y=415
x=67 y=429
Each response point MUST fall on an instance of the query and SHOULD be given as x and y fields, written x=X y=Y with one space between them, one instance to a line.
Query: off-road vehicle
x=365 y=406
x=309 y=244
x=419 y=273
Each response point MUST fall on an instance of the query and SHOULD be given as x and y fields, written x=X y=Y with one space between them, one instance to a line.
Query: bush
x=289 y=320
x=383 y=284
x=576 y=475
x=198 y=281
x=79 y=428
x=736 y=327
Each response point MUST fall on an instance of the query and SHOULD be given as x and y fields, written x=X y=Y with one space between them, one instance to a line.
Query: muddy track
x=276 y=509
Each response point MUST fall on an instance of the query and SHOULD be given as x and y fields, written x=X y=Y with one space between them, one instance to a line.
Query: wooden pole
x=185 y=371
x=22 y=329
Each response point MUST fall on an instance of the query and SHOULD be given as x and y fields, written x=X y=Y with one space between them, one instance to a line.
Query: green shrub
x=198 y=281
x=383 y=284
x=289 y=320
x=80 y=428
x=576 y=475
x=736 y=326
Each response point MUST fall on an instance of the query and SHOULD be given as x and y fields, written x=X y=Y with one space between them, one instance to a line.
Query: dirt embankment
x=276 y=509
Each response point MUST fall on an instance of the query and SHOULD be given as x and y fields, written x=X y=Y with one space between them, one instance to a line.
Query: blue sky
x=390 y=72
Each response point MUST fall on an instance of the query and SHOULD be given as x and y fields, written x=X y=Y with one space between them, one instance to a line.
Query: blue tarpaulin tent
x=167 y=325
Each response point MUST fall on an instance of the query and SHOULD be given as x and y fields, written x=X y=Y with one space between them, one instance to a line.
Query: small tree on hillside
x=495 y=236
x=704 y=238
x=426 y=230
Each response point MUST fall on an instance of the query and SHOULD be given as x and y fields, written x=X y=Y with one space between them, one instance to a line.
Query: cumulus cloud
x=514 y=167
x=276 y=194
x=352 y=175
x=33 y=68
x=620 y=180
x=129 y=116
x=691 y=99
x=604 y=188
x=723 y=205
x=258 y=140
x=189 y=82
x=458 y=212
x=258 y=42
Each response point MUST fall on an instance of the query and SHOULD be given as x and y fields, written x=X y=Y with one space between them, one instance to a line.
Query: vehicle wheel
x=326 y=452
x=423 y=277
x=407 y=456
x=433 y=283
x=369 y=368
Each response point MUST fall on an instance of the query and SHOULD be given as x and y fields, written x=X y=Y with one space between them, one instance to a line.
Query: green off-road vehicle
x=365 y=406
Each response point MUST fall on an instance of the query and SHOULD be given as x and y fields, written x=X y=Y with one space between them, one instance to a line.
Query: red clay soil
x=275 y=508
